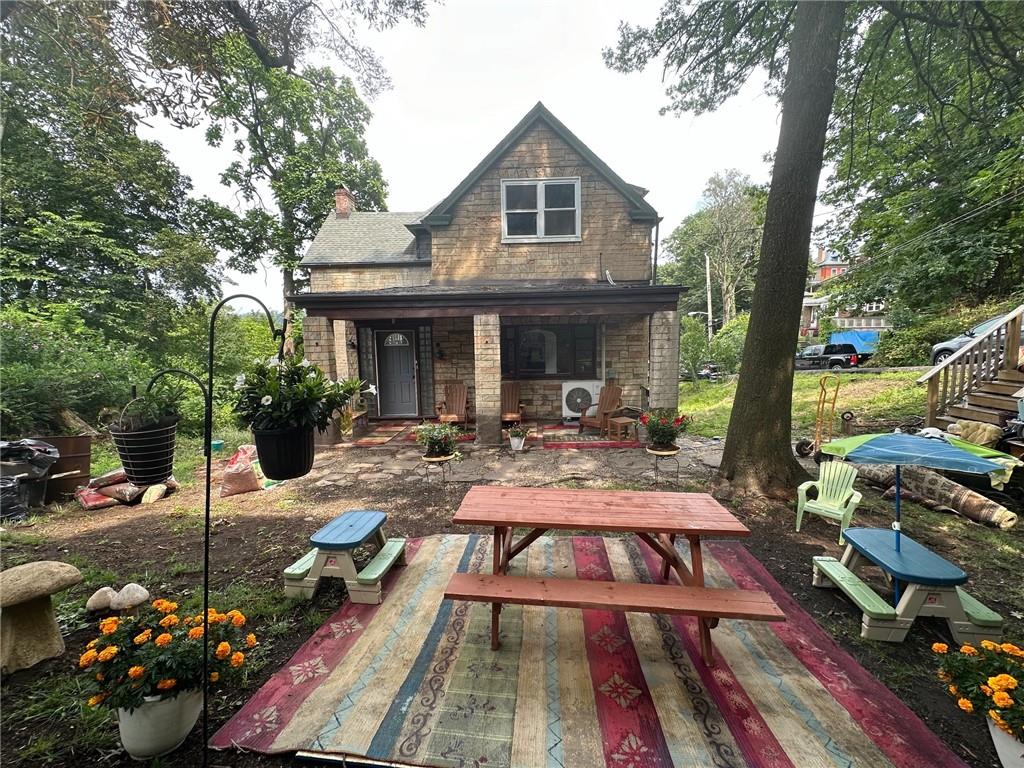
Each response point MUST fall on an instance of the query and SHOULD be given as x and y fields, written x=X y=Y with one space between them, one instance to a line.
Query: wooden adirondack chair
x=608 y=402
x=453 y=407
x=511 y=408
x=836 y=498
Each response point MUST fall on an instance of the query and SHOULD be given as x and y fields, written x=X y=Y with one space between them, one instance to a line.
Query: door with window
x=396 y=373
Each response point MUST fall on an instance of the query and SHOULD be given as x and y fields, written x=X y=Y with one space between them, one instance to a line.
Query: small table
x=619 y=427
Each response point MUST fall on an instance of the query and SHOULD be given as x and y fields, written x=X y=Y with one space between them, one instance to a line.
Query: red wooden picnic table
x=657 y=518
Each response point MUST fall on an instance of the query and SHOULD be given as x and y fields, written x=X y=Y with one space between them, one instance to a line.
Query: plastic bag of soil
x=241 y=474
x=12 y=504
x=126 y=493
x=90 y=498
x=112 y=477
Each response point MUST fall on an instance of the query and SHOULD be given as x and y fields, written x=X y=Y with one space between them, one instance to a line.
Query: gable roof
x=440 y=215
x=380 y=237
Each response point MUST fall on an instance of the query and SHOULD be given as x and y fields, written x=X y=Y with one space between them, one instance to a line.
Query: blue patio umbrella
x=902 y=449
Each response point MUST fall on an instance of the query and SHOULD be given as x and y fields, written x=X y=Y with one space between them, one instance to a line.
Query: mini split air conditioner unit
x=578 y=396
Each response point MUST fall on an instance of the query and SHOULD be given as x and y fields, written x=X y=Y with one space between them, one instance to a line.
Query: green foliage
x=727 y=345
x=693 y=345
x=290 y=392
x=986 y=681
x=53 y=362
x=439 y=439
x=159 y=406
x=663 y=426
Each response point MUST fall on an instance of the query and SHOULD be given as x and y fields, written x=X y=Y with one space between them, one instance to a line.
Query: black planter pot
x=147 y=454
x=285 y=453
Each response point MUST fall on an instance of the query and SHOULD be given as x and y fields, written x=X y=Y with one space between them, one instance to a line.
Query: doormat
x=413 y=681
x=380 y=434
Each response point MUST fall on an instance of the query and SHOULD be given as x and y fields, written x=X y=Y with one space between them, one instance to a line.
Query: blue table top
x=914 y=563
x=349 y=530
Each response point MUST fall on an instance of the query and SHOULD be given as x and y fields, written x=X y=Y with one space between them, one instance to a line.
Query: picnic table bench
x=656 y=518
x=931 y=588
x=332 y=556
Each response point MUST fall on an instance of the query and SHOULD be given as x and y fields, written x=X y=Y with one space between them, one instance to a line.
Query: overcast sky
x=462 y=81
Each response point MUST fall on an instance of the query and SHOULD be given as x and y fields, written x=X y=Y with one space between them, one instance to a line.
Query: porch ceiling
x=466 y=301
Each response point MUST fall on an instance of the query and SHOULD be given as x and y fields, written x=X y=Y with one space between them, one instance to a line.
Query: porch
x=409 y=342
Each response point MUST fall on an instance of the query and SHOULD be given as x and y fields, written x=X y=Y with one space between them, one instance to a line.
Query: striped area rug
x=413 y=682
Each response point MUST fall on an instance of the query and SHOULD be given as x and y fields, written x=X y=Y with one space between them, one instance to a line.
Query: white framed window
x=540 y=210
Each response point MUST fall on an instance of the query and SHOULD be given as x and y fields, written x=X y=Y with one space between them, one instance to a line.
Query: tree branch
x=248 y=28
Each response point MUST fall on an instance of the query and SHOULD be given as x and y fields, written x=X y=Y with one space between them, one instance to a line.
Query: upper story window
x=540 y=210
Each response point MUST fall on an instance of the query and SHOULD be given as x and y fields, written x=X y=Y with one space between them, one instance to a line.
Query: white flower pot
x=1010 y=751
x=160 y=725
x=516 y=442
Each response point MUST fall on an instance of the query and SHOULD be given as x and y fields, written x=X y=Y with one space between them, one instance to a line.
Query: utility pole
x=707 y=280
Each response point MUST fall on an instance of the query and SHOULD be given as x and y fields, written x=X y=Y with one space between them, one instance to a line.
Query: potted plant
x=439 y=440
x=989 y=682
x=149 y=669
x=144 y=434
x=517 y=435
x=283 y=400
x=663 y=427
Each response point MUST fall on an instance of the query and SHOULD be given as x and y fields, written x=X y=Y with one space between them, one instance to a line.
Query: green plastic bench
x=376 y=569
x=860 y=593
x=977 y=611
x=300 y=568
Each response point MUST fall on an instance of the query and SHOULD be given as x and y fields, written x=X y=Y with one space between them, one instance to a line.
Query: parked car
x=944 y=349
x=832 y=356
x=708 y=371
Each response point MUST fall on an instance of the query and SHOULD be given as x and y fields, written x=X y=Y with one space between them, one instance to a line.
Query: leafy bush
x=911 y=339
x=693 y=345
x=439 y=439
x=727 y=345
x=53 y=362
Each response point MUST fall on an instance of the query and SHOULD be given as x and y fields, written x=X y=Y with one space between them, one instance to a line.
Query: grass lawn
x=869 y=395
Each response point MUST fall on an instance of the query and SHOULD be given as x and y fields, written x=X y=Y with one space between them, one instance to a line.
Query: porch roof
x=468 y=300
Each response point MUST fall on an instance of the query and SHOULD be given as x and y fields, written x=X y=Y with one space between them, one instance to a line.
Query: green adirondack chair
x=836 y=498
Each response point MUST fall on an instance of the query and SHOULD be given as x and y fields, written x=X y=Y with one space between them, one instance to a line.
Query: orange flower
x=250 y=640
x=164 y=639
x=223 y=651
x=1012 y=649
x=196 y=632
x=238 y=620
x=93 y=643
x=165 y=606
x=940 y=647
x=166 y=685
x=943 y=676
x=237 y=659
x=97 y=699
x=1002 y=699
x=136 y=672
x=143 y=637
x=986 y=690
x=998 y=720
x=968 y=650
x=965 y=705
x=214 y=677
x=198 y=618
x=169 y=620
x=1002 y=682
x=953 y=690
x=87 y=659
x=108 y=653
x=100 y=676
x=159 y=603
x=988 y=645
x=109 y=625
x=187 y=621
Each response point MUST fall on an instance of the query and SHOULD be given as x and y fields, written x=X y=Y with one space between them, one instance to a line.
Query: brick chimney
x=344 y=203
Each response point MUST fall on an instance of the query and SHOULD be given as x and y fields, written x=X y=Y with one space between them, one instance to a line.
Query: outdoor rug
x=557 y=436
x=380 y=434
x=414 y=682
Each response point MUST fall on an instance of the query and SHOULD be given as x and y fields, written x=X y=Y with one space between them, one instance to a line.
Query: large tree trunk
x=758 y=455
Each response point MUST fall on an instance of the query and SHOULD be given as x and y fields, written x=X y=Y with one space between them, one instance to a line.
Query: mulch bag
x=126 y=493
x=90 y=498
x=12 y=502
x=113 y=477
x=242 y=475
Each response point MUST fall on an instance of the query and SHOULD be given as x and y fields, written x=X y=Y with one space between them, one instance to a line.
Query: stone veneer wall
x=334 y=279
x=318 y=343
x=487 y=358
x=346 y=356
x=470 y=248
x=665 y=359
x=454 y=337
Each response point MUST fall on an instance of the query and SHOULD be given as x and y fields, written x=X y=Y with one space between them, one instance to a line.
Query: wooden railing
x=969 y=367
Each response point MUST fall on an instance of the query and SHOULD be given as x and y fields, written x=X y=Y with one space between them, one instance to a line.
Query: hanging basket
x=147 y=454
x=285 y=453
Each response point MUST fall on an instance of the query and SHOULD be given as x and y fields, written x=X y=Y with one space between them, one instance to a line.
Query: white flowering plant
x=290 y=392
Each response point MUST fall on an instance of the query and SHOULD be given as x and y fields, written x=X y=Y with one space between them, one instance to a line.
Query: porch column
x=318 y=343
x=664 y=371
x=346 y=353
x=487 y=378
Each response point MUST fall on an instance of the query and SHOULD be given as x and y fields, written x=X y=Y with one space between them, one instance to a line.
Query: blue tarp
x=863 y=341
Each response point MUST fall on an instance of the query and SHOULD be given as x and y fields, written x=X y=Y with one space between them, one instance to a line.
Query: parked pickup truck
x=833 y=356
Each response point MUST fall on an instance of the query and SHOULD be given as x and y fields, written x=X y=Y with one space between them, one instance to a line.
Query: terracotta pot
x=285 y=453
x=159 y=726
x=1010 y=751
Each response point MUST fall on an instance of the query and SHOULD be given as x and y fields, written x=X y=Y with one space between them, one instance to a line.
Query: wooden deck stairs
x=981 y=381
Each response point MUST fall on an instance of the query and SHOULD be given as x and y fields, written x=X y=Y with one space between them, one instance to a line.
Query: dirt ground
x=256 y=535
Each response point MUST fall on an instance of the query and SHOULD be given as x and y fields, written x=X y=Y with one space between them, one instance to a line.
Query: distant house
x=536 y=268
x=826 y=265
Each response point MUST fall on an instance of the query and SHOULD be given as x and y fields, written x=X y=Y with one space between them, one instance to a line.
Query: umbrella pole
x=896 y=528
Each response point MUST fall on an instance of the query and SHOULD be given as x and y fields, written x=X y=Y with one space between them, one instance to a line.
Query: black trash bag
x=13 y=506
x=32 y=458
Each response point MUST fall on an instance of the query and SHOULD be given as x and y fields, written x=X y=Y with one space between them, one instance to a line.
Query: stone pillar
x=487 y=378
x=346 y=351
x=664 y=370
x=318 y=343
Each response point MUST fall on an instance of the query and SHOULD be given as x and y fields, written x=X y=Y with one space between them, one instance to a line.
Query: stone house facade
x=537 y=267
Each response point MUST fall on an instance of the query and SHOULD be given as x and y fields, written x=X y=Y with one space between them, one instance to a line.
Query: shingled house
x=537 y=267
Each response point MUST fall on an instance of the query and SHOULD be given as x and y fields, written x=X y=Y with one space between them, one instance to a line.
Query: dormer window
x=540 y=210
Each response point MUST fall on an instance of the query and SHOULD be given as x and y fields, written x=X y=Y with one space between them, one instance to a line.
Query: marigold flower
x=109 y=625
x=187 y=621
x=223 y=650
x=97 y=699
x=237 y=659
x=1002 y=682
x=170 y=620
x=87 y=659
x=214 y=677
x=108 y=653
x=196 y=633
x=968 y=650
x=986 y=690
x=143 y=637
x=1012 y=649
x=136 y=672
x=159 y=603
x=250 y=640
x=93 y=643
x=100 y=677
x=953 y=690
x=168 y=607
x=166 y=685
x=940 y=648
x=238 y=620
x=164 y=639
x=1002 y=699
x=998 y=720
x=943 y=676
x=988 y=645
x=965 y=705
